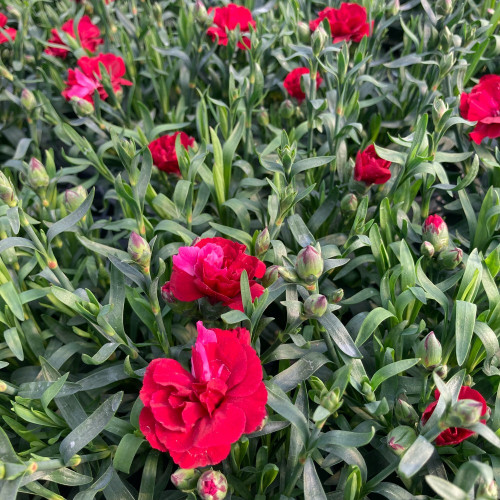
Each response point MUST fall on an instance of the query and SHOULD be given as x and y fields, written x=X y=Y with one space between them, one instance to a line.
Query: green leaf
x=417 y=455
x=447 y=490
x=234 y=233
x=339 y=335
x=14 y=342
x=218 y=169
x=148 y=481
x=465 y=319
x=53 y=390
x=126 y=451
x=391 y=370
x=371 y=323
x=306 y=164
x=346 y=438
x=9 y=294
x=300 y=231
x=15 y=242
x=97 y=486
x=313 y=489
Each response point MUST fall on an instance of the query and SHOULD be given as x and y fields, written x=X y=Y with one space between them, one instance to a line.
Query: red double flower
x=228 y=19
x=292 y=83
x=370 y=168
x=164 y=154
x=6 y=34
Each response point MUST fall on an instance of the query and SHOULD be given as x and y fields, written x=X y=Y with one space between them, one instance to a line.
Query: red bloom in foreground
x=83 y=82
x=455 y=435
x=228 y=19
x=197 y=416
x=370 y=168
x=6 y=34
x=88 y=33
x=163 y=151
x=292 y=83
x=482 y=105
x=434 y=224
x=347 y=23
x=212 y=268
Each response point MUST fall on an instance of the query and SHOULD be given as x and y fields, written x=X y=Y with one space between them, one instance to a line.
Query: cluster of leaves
x=79 y=323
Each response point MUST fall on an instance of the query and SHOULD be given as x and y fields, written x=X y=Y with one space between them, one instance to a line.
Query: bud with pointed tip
x=185 y=480
x=212 y=485
x=349 y=203
x=441 y=371
x=439 y=108
x=435 y=231
x=318 y=40
x=262 y=243
x=367 y=391
x=304 y=32
x=464 y=413
x=81 y=107
x=38 y=178
x=74 y=197
x=315 y=305
x=286 y=109
x=309 y=264
x=139 y=251
x=430 y=351
x=400 y=439
x=427 y=249
x=28 y=100
x=263 y=117
x=7 y=193
x=405 y=413
x=271 y=275
x=337 y=296
x=450 y=258
x=200 y=13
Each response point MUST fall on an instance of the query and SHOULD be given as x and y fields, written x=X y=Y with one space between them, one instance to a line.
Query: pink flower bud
x=435 y=231
x=212 y=485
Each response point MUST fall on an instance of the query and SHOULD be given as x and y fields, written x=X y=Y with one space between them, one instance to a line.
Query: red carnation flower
x=434 y=224
x=370 y=168
x=6 y=34
x=293 y=80
x=88 y=33
x=83 y=82
x=228 y=19
x=455 y=435
x=163 y=151
x=212 y=268
x=482 y=105
x=197 y=416
x=347 y=23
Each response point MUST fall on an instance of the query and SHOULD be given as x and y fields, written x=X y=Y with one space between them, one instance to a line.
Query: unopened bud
x=38 y=178
x=317 y=384
x=7 y=193
x=304 y=32
x=318 y=40
x=450 y=258
x=487 y=491
x=185 y=479
x=28 y=100
x=400 y=439
x=367 y=391
x=139 y=251
x=263 y=117
x=309 y=264
x=444 y=7
x=167 y=294
x=82 y=107
x=430 y=351
x=439 y=108
x=315 y=305
x=200 y=13
x=5 y=73
x=349 y=203
x=271 y=275
x=262 y=242
x=464 y=413
x=158 y=13
x=331 y=401
x=337 y=296
x=212 y=485
x=435 y=231
x=74 y=197
x=405 y=413
x=288 y=274
x=427 y=249
x=441 y=371
x=286 y=109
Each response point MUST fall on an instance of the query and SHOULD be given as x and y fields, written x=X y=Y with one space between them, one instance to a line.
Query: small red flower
x=482 y=105
x=163 y=151
x=228 y=19
x=212 y=268
x=88 y=33
x=6 y=34
x=84 y=81
x=197 y=416
x=347 y=23
x=293 y=80
x=370 y=168
x=455 y=435
x=433 y=223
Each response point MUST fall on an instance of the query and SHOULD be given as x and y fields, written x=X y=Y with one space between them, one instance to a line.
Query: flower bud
x=444 y=7
x=435 y=231
x=263 y=117
x=315 y=305
x=139 y=251
x=439 y=108
x=427 y=249
x=74 y=197
x=5 y=73
x=395 y=7
x=185 y=479
x=429 y=351
x=286 y=109
x=464 y=413
x=271 y=275
x=450 y=258
x=337 y=296
x=488 y=491
x=331 y=401
x=318 y=40
x=317 y=384
x=28 y=100
x=7 y=193
x=38 y=178
x=81 y=107
x=367 y=391
x=349 y=203
x=200 y=13
x=158 y=13
x=212 y=485
x=405 y=413
x=441 y=371
x=167 y=294
x=309 y=265
x=287 y=156
x=400 y=439
x=304 y=32
x=262 y=242
x=288 y=274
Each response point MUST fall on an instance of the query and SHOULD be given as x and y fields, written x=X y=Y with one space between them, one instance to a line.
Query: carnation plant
x=249 y=250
